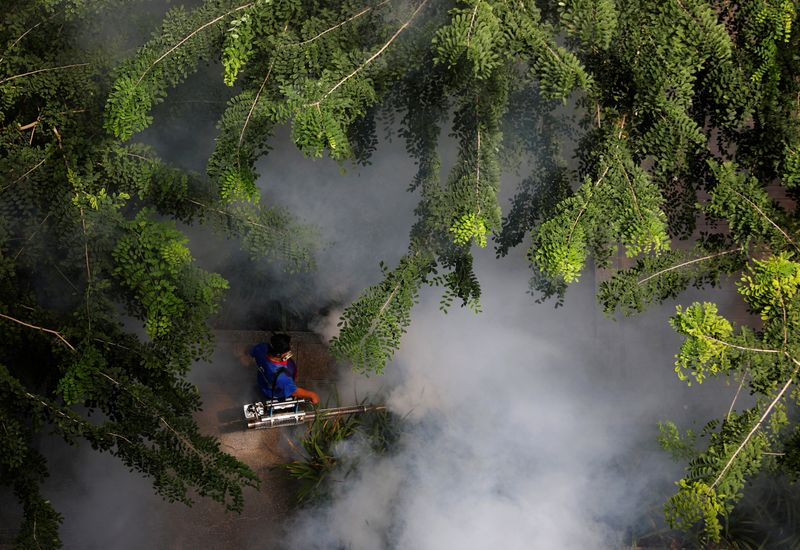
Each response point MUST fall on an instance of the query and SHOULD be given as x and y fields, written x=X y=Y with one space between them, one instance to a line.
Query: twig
x=371 y=58
x=88 y=268
x=53 y=332
x=190 y=35
x=728 y=344
x=24 y=175
x=585 y=206
x=204 y=459
x=684 y=264
x=356 y=16
x=736 y=396
x=32 y=236
x=10 y=78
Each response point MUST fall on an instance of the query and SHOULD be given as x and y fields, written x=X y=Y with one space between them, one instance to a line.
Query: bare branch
x=371 y=58
x=736 y=396
x=23 y=176
x=250 y=114
x=684 y=264
x=471 y=23
x=32 y=236
x=743 y=348
x=53 y=332
x=20 y=37
x=356 y=16
x=10 y=78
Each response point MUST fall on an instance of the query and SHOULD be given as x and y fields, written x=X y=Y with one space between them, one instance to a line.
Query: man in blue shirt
x=277 y=371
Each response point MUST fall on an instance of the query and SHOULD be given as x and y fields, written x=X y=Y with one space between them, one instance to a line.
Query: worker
x=277 y=371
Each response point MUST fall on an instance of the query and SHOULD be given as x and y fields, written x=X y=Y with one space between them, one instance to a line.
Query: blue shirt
x=285 y=385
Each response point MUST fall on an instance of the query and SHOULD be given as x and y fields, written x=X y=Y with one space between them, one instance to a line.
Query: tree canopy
x=685 y=115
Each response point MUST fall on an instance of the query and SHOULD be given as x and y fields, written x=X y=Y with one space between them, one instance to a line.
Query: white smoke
x=526 y=427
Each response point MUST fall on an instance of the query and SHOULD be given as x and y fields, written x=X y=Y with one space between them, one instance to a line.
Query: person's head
x=280 y=345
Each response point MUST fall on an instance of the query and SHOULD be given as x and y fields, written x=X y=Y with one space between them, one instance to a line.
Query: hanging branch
x=182 y=438
x=736 y=396
x=684 y=264
x=371 y=58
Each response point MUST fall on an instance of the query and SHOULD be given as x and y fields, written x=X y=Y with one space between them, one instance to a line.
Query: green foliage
x=619 y=204
x=694 y=502
x=372 y=326
x=474 y=33
x=238 y=47
x=468 y=227
x=705 y=351
x=591 y=23
x=770 y=285
x=679 y=447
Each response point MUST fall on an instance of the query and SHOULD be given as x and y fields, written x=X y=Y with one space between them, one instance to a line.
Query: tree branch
x=20 y=37
x=585 y=206
x=371 y=58
x=754 y=205
x=187 y=37
x=10 y=78
x=684 y=264
x=356 y=16
x=23 y=176
x=250 y=114
x=53 y=332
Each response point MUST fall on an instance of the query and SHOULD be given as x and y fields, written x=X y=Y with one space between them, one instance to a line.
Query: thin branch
x=53 y=332
x=180 y=436
x=743 y=348
x=140 y=157
x=55 y=266
x=754 y=205
x=736 y=396
x=189 y=36
x=371 y=58
x=250 y=114
x=10 y=78
x=585 y=206
x=20 y=37
x=31 y=236
x=356 y=16
x=88 y=268
x=478 y=172
x=758 y=424
x=24 y=175
x=684 y=264
x=471 y=23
